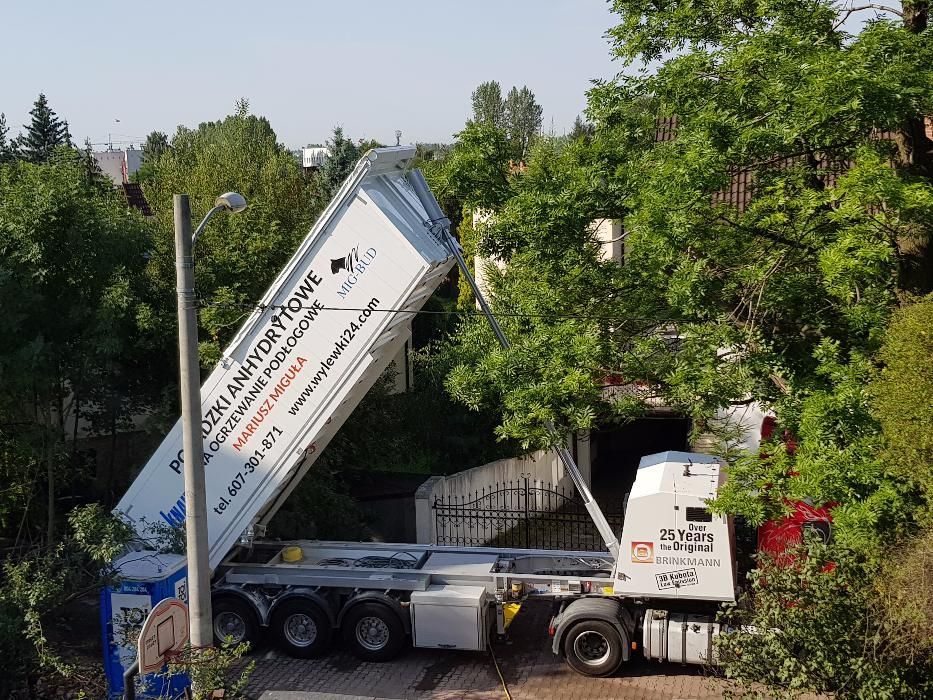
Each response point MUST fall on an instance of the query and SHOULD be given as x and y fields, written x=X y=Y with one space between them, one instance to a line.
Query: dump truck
x=320 y=337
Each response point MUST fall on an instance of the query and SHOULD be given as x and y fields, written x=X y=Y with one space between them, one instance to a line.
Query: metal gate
x=525 y=513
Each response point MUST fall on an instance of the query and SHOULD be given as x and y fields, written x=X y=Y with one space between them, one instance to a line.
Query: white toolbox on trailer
x=450 y=617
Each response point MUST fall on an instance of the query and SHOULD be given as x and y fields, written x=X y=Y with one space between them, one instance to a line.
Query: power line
x=458 y=312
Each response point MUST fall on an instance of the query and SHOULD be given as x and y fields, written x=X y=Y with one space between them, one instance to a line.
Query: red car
x=775 y=537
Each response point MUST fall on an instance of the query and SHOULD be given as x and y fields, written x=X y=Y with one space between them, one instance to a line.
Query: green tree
x=566 y=309
x=802 y=279
x=238 y=256
x=488 y=105
x=799 y=281
x=40 y=581
x=343 y=155
x=70 y=280
x=6 y=146
x=782 y=296
x=93 y=173
x=522 y=116
x=814 y=257
x=241 y=109
x=155 y=145
x=476 y=171
x=366 y=145
x=582 y=129
x=43 y=134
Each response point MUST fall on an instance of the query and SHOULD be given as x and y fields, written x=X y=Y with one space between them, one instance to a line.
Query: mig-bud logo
x=643 y=552
x=347 y=262
x=354 y=265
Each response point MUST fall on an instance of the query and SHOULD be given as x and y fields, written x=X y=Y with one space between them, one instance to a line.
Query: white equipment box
x=450 y=617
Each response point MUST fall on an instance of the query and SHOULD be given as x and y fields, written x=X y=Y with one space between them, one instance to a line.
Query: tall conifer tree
x=6 y=148
x=44 y=133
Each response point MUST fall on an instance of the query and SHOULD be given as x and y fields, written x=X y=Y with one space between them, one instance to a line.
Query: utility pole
x=199 y=574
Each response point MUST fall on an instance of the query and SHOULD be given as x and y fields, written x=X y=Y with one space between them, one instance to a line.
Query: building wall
x=401 y=369
x=608 y=233
x=134 y=161
x=482 y=272
x=314 y=156
x=482 y=265
x=743 y=421
x=112 y=163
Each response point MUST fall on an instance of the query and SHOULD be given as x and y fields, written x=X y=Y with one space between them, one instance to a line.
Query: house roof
x=135 y=197
x=741 y=190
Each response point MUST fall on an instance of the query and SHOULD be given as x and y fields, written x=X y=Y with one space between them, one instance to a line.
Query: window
x=699 y=515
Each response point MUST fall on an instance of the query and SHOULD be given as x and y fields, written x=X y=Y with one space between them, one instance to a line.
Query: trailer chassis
x=379 y=597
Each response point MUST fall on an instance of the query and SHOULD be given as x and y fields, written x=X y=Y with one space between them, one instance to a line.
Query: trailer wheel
x=300 y=629
x=234 y=619
x=373 y=632
x=593 y=648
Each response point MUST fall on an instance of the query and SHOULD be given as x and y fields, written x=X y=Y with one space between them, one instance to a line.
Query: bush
x=214 y=668
x=903 y=394
x=15 y=650
x=42 y=580
x=905 y=596
x=817 y=625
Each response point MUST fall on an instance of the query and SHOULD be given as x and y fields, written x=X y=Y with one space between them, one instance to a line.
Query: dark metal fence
x=524 y=513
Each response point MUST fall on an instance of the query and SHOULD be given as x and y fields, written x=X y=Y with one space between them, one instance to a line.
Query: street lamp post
x=199 y=573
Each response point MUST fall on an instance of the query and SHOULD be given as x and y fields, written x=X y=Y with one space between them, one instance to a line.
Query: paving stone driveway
x=530 y=670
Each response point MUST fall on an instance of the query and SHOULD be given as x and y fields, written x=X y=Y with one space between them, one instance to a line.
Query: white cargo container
x=323 y=333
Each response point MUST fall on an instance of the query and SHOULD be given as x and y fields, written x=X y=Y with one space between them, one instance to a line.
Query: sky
x=371 y=67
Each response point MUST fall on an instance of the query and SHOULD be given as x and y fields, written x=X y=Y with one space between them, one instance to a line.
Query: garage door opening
x=617 y=451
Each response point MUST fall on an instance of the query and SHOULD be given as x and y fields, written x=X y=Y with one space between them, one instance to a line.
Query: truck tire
x=593 y=648
x=300 y=629
x=373 y=632
x=234 y=619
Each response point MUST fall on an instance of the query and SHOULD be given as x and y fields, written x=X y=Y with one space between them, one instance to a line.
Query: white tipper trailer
x=323 y=333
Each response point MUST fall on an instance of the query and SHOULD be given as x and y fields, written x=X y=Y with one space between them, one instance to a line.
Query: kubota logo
x=347 y=262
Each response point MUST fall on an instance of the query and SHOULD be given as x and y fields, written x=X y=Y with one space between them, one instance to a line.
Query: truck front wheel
x=593 y=648
x=373 y=632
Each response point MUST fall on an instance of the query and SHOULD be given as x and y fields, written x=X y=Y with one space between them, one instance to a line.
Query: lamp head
x=231 y=201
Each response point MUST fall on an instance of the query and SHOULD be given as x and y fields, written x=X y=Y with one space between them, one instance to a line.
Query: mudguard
x=605 y=609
